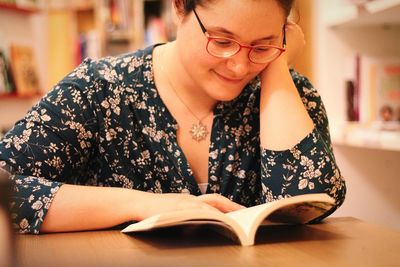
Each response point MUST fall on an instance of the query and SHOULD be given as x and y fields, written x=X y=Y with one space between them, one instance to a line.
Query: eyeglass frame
x=250 y=47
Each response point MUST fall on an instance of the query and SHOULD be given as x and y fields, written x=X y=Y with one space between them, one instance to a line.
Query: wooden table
x=337 y=242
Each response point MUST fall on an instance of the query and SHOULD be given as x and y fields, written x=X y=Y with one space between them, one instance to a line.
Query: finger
x=220 y=202
x=196 y=204
x=290 y=22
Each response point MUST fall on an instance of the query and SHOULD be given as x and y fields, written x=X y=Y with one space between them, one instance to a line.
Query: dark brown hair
x=188 y=5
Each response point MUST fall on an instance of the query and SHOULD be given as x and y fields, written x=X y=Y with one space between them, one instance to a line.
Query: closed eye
x=261 y=49
x=222 y=42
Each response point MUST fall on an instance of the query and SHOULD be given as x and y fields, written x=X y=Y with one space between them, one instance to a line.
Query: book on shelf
x=382 y=80
x=24 y=70
x=242 y=225
x=119 y=15
x=6 y=83
x=88 y=46
x=155 y=31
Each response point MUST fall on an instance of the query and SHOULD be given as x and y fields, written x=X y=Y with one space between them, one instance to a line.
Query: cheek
x=199 y=61
x=192 y=51
x=258 y=68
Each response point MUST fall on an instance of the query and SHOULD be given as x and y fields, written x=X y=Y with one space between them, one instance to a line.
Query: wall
x=373 y=185
x=372 y=175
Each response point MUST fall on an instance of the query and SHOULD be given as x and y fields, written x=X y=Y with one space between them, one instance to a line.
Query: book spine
x=357 y=86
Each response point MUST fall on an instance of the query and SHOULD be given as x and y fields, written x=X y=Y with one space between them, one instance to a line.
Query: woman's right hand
x=158 y=203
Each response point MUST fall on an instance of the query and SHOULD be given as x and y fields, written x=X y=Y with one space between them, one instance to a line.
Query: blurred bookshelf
x=379 y=135
x=376 y=12
x=116 y=26
x=18 y=70
x=105 y=28
x=364 y=38
x=15 y=7
x=16 y=96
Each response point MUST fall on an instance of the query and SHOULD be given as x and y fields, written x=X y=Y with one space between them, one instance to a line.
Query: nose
x=239 y=64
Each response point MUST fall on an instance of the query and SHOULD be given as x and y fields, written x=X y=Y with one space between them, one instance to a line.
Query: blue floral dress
x=106 y=125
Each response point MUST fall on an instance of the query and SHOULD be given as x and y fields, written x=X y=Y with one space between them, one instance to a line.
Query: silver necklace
x=198 y=130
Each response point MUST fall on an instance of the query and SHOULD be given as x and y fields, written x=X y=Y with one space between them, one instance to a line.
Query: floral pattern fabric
x=105 y=124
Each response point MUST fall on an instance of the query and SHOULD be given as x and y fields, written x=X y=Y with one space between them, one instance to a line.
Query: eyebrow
x=226 y=31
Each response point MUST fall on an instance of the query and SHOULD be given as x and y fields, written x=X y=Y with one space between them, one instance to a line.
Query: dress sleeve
x=50 y=146
x=308 y=167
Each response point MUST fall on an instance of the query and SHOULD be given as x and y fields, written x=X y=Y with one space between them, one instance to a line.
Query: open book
x=243 y=224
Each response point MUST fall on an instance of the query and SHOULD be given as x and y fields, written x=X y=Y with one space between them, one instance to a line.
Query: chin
x=226 y=94
x=224 y=89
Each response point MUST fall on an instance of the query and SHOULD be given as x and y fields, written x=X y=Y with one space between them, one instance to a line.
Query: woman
x=216 y=110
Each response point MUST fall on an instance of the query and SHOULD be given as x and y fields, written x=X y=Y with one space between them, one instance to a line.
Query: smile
x=226 y=79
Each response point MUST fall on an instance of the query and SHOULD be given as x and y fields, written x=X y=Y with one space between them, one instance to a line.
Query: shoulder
x=112 y=76
x=112 y=69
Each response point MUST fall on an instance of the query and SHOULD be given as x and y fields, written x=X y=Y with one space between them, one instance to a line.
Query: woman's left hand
x=295 y=42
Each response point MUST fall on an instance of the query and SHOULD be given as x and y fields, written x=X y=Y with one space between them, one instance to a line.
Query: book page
x=299 y=213
x=294 y=210
x=182 y=217
x=247 y=218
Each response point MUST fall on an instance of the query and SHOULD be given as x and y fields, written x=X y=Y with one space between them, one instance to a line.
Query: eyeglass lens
x=221 y=47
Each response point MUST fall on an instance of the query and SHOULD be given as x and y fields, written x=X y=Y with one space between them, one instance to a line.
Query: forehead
x=252 y=7
x=248 y=19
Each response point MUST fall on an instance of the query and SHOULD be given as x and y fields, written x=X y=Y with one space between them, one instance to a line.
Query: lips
x=228 y=79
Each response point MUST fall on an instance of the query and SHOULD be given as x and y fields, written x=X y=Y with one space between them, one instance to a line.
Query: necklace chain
x=198 y=131
x=180 y=99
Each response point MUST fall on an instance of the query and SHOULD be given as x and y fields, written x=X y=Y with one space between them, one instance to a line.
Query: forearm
x=77 y=208
x=284 y=120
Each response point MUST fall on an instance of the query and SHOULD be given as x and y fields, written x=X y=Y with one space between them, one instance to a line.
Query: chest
x=195 y=151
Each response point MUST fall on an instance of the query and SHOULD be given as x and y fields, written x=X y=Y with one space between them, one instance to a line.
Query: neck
x=184 y=86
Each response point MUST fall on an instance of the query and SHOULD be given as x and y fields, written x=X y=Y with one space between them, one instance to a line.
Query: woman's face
x=250 y=22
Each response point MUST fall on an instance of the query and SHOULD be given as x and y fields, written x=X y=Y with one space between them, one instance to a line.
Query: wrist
x=133 y=208
x=141 y=205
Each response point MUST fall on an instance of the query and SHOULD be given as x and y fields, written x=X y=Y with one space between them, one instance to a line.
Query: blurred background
x=352 y=57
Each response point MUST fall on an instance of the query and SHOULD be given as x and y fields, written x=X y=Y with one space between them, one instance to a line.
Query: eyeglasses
x=225 y=47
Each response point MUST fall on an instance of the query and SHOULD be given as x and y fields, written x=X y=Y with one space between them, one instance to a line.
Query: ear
x=178 y=11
